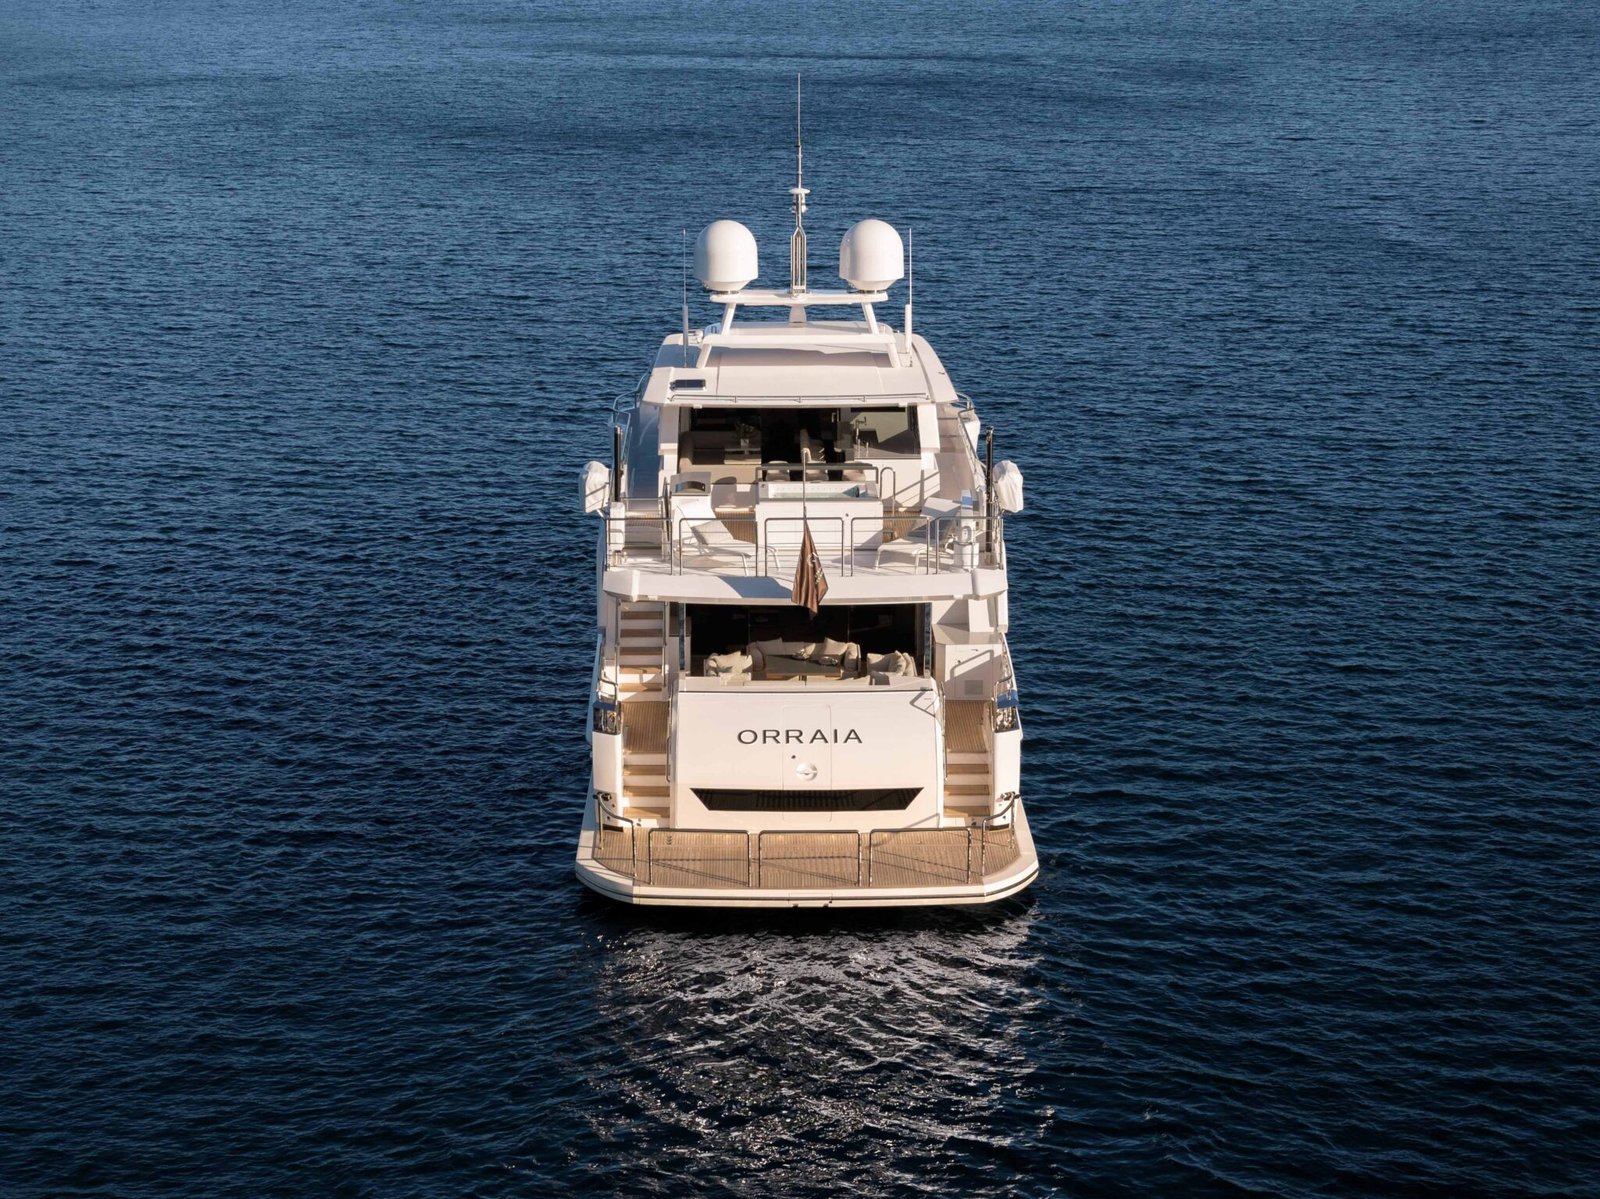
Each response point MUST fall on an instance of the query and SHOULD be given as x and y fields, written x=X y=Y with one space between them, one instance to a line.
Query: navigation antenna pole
x=911 y=284
x=685 y=297
x=797 y=243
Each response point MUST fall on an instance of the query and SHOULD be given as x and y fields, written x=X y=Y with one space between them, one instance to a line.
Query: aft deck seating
x=731 y=665
x=896 y=664
x=798 y=659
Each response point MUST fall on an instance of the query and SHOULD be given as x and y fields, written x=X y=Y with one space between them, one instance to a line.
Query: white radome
x=725 y=256
x=871 y=256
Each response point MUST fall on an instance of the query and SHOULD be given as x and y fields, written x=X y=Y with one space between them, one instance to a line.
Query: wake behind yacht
x=802 y=693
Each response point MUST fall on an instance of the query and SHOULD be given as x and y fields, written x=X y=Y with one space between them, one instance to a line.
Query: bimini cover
x=1007 y=484
x=596 y=486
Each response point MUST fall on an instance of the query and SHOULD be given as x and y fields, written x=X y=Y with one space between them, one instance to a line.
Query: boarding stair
x=641 y=666
x=968 y=760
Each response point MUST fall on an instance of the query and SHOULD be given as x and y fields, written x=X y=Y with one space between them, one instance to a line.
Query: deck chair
x=714 y=538
x=913 y=544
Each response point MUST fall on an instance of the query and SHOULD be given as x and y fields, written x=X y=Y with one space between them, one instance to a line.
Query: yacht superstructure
x=802 y=693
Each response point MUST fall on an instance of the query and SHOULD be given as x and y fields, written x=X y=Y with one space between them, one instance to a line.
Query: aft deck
x=883 y=867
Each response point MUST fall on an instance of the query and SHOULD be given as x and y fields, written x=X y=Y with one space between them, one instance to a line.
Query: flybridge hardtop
x=802 y=693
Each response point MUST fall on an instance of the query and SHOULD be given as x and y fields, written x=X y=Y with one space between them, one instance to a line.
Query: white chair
x=932 y=529
x=690 y=482
x=715 y=538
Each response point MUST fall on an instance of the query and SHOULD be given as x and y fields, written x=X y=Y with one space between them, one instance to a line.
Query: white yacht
x=802 y=694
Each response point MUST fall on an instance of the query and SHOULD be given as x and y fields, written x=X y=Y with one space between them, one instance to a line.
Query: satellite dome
x=725 y=256
x=871 y=256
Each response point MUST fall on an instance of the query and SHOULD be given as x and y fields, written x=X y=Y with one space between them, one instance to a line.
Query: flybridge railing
x=720 y=399
x=893 y=543
x=983 y=495
x=964 y=405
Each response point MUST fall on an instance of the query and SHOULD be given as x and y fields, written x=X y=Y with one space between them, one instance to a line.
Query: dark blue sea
x=309 y=314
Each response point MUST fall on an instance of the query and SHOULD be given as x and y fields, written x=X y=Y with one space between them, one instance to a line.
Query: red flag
x=810 y=585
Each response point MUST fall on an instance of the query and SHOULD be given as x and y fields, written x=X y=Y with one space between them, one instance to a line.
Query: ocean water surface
x=309 y=314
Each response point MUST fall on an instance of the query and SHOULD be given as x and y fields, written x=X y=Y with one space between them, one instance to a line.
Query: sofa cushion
x=762 y=650
x=894 y=663
x=730 y=663
x=846 y=655
x=825 y=657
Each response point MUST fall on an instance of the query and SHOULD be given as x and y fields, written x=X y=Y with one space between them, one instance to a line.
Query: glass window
x=881 y=432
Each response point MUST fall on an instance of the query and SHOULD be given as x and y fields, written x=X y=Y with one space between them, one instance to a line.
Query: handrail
x=1002 y=815
x=1004 y=710
x=891 y=493
x=605 y=699
x=766 y=548
x=874 y=850
x=627 y=401
x=718 y=399
x=604 y=811
x=940 y=543
x=599 y=683
x=811 y=469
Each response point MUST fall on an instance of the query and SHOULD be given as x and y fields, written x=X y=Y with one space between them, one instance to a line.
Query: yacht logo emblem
x=799 y=737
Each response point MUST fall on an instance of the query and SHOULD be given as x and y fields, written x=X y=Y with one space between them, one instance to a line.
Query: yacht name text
x=798 y=737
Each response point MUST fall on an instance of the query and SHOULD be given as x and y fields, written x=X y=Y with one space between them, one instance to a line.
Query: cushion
x=895 y=662
x=825 y=655
x=759 y=651
x=800 y=651
x=732 y=662
x=840 y=655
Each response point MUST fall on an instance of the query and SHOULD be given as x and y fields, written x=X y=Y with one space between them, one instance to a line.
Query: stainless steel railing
x=907 y=542
x=804 y=860
x=1005 y=713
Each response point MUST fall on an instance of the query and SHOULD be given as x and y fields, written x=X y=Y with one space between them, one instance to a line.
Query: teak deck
x=883 y=858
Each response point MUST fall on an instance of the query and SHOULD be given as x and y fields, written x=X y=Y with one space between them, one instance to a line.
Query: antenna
x=685 y=297
x=797 y=243
x=911 y=281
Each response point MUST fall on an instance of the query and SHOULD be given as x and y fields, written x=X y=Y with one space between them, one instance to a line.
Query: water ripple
x=309 y=316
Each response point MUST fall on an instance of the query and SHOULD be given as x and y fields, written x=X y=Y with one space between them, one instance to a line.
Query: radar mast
x=797 y=242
